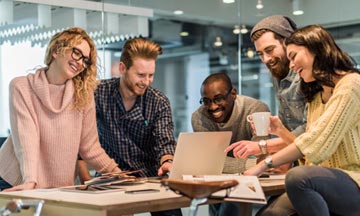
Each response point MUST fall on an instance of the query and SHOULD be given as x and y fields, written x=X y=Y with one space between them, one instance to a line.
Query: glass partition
x=190 y=52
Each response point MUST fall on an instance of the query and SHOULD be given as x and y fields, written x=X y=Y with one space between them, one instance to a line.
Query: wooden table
x=270 y=188
x=59 y=202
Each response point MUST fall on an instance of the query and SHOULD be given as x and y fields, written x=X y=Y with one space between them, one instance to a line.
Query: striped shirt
x=138 y=138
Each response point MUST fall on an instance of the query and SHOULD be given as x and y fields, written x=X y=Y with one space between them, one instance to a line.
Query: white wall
x=15 y=60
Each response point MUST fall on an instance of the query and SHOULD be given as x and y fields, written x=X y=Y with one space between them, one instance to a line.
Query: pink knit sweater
x=48 y=133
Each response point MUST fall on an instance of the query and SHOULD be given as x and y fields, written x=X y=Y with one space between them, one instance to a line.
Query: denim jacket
x=292 y=105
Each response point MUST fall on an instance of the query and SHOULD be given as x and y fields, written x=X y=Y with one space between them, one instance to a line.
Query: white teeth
x=73 y=67
x=217 y=114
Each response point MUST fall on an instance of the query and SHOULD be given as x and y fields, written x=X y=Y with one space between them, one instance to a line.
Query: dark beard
x=281 y=70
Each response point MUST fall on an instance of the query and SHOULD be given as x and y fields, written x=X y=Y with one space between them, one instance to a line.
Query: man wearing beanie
x=268 y=36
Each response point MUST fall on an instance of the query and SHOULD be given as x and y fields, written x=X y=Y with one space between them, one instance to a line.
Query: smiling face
x=139 y=76
x=67 y=66
x=272 y=53
x=301 y=61
x=221 y=100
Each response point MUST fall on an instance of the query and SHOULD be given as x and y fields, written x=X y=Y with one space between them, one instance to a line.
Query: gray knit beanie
x=281 y=25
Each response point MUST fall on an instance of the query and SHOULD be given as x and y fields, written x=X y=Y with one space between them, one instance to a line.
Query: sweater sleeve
x=24 y=130
x=341 y=114
x=90 y=148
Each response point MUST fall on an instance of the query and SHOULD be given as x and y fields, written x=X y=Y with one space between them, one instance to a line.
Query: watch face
x=262 y=143
x=268 y=160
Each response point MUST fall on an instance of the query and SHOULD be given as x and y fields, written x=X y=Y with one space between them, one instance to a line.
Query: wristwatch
x=268 y=162
x=262 y=145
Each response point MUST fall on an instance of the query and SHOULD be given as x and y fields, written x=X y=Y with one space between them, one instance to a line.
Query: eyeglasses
x=77 y=55
x=218 y=99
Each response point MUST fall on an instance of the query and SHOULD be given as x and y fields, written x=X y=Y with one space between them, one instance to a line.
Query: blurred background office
x=198 y=37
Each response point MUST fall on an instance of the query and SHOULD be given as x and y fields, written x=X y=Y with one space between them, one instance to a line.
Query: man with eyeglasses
x=224 y=110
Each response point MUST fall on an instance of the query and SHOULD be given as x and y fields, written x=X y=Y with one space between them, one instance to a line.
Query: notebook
x=200 y=153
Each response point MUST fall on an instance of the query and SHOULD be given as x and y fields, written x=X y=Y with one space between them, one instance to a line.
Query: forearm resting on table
x=83 y=171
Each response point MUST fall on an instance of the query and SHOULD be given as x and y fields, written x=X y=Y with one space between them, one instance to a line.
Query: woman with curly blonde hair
x=85 y=82
x=52 y=118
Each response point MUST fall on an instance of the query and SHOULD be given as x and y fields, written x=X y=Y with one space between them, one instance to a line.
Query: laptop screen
x=200 y=153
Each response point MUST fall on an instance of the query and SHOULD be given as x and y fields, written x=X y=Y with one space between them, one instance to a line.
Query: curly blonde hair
x=85 y=82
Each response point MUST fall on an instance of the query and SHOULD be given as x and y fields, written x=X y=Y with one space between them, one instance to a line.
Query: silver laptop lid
x=200 y=153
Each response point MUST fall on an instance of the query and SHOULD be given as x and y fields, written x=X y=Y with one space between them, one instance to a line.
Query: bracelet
x=167 y=160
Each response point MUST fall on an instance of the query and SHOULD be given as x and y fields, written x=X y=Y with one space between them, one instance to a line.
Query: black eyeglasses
x=218 y=99
x=77 y=55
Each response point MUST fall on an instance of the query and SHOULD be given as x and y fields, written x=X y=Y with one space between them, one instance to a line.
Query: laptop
x=200 y=153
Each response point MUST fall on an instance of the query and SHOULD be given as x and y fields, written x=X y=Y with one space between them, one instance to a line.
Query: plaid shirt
x=136 y=139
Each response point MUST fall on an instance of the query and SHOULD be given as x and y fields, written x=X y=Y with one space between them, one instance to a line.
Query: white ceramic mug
x=261 y=121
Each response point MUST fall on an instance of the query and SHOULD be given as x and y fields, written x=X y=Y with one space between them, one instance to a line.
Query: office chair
x=198 y=191
x=15 y=206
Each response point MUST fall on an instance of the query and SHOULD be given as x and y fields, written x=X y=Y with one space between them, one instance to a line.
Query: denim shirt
x=292 y=105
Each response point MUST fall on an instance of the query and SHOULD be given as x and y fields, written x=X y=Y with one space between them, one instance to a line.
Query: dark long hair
x=328 y=57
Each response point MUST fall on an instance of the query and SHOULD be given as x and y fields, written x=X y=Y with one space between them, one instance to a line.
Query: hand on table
x=25 y=186
x=164 y=168
x=256 y=170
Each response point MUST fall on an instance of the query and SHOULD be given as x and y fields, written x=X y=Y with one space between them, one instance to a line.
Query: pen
x=142 y=191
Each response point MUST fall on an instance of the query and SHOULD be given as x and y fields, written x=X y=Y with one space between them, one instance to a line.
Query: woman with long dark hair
x=329 y=181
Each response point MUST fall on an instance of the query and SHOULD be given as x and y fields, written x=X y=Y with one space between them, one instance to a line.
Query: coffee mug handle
x=249 y=118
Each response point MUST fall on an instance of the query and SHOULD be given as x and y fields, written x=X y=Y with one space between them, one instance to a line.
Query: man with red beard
x=224 y=110
x=268 y=36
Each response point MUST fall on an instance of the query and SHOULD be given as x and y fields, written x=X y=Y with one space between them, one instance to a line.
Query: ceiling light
x=184 y=33
x=243 y=29
x=297 y=7
x=228 y=1
x=259 y=5
x=178 y=12
x=236 y=29
x=218 y=42
x=250 y=53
